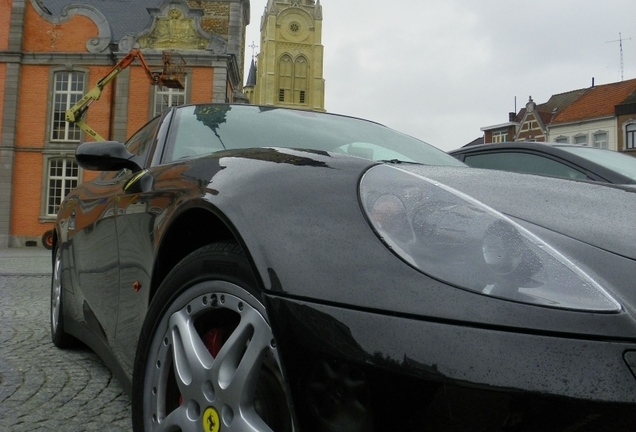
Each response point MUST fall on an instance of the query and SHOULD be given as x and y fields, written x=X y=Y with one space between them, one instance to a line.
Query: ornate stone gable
x=175 y=26
x=173 y=31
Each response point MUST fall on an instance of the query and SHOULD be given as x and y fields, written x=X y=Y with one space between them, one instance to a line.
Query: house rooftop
x=597 y=102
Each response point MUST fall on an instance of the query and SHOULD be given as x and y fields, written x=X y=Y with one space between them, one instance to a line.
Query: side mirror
x=105 y=156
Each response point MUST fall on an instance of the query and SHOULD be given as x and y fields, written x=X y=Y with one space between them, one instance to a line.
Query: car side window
x=524 y=163
x=141 y=142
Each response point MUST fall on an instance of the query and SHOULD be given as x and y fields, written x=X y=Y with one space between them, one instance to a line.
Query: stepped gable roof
x=123 y=16
x=596 y=102
x=555 y=105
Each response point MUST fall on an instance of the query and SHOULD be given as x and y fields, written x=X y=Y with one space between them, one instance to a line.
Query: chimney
x=511 y=116
x=592 y=82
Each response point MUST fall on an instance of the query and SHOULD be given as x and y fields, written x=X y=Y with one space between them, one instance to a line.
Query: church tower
x=289 y=67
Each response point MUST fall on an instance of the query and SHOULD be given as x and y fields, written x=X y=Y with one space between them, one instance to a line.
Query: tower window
x=285 y=78
x=300 y=80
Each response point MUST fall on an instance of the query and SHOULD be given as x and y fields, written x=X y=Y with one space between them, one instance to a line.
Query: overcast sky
x=439 y=70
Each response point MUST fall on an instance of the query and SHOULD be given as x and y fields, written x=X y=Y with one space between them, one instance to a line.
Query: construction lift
x=171 y=75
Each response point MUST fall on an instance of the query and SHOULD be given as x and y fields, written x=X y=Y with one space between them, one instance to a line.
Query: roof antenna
x=620 y=43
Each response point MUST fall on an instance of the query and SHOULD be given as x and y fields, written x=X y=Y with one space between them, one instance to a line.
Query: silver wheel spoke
x=239 y=361
x=178 y=420
x=249 y=421
x=246 y=376
x=192 y=360
x=227 y=361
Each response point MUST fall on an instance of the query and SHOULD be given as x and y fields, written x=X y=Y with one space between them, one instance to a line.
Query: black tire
x=206 y=355
x=59 y=337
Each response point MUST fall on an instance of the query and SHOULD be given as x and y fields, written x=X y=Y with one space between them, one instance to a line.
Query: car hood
x=298 y=215
x=596 y=214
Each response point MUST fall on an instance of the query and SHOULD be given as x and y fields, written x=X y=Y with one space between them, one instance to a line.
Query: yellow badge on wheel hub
x=211 y=420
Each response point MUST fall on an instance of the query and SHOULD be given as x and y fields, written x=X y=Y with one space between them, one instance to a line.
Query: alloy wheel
x=56 y=292
x=211 y=356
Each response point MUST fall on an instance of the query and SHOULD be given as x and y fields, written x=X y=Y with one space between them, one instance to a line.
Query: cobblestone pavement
x=43 y=388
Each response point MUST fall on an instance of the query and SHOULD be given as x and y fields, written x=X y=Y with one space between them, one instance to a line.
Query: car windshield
x=198 y=130
x=619 y=162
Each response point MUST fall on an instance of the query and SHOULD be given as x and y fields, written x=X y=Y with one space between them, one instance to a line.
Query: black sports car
x=245 y=268
x=552 y=159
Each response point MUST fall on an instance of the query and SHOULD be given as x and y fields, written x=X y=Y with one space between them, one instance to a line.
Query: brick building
x=601 y=116
x=53 y=51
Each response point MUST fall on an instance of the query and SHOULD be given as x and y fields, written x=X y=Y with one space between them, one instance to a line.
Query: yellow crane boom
x=170 y=76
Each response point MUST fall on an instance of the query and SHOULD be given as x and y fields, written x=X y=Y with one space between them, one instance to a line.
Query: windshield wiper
x=398 y=161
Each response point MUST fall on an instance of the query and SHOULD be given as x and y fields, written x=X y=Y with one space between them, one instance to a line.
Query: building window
x=67 y=91
x=63 y=176
x=601 y=140
x=630 y=136
x=166 y=97
x=499 y=137
x=285 y=67
x=292 y=80
x=300 y=80
x=294 y=27
x=580 y=140
x=562 y=140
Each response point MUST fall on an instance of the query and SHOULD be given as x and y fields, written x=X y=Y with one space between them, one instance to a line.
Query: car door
x=92 y=254
x=137 y=213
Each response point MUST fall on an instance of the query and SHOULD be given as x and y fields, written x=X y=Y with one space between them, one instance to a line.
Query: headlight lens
x=461 y=241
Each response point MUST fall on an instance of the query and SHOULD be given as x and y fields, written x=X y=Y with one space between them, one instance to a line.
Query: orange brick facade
x=42 y=36
x=49 y=45
x=5 y=19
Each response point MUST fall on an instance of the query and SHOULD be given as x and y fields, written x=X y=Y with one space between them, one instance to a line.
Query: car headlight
x=460 y=241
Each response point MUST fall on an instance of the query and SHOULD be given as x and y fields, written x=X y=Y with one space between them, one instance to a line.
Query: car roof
x=557 y=150
x=514 y=145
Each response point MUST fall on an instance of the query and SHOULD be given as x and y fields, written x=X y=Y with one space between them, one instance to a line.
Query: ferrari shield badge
x=211 y=420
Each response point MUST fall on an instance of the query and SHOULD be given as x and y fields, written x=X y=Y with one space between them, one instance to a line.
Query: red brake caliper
x=213 y=341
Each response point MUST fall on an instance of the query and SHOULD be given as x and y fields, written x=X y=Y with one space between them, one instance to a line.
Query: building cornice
x=193 y=58
x=576 y=122
x=10 y=57
x=64 y=58
x=499 y=126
